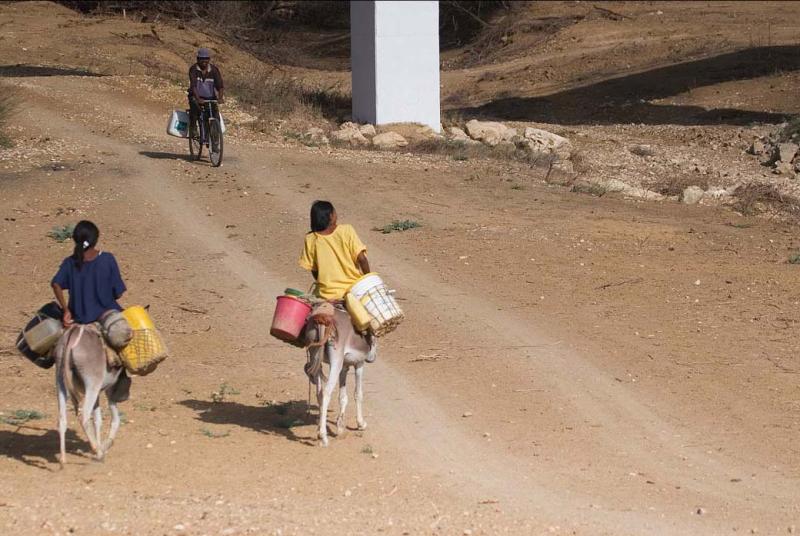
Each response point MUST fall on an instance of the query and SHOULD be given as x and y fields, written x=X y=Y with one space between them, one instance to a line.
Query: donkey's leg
x=89 y=403
x=97 y=417
x=61 y=390
x=333 y=375
x=362 y=424
x=340 y=421
x=112 y=433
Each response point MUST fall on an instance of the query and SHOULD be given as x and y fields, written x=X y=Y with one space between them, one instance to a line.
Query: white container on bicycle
x=178 y=124
x=221 y=122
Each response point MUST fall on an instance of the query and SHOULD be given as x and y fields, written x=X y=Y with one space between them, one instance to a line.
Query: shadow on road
x=38 y=450
x=277 y=420
x=23 y=70
x=626 y=98
x=157 y=155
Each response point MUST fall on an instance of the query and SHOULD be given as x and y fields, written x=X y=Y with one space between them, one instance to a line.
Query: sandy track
x=199 y=239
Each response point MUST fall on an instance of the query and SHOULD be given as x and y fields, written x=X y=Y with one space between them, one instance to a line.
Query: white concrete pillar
x=394 y=52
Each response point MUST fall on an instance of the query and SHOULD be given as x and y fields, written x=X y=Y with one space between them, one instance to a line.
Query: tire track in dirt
x=600 y=398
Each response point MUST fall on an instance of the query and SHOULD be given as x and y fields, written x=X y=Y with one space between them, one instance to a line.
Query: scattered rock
x=490 y=132
x=367 y=130
x=389 y=140
x=349 y=133
x=716 y=193
x=787 y=152
x=758 y=147
x=315 y=135
x=785 y=168
x=467 y=414
x=614 y=185
x=692 y=195
x=458 y=135
x=700 y=511
x=542 y=141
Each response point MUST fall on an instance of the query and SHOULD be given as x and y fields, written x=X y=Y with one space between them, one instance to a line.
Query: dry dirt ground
x=569 y=364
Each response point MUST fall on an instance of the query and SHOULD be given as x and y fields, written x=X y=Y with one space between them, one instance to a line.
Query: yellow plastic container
x=146 y=349
x=138 y=317
x=358 y=313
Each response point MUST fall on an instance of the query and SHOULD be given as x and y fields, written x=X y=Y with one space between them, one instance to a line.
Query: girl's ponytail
x=85 y=236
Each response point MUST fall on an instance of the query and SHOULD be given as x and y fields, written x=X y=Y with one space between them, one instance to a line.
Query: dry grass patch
x=8 y=102
x=271 y=95
x=756 y=198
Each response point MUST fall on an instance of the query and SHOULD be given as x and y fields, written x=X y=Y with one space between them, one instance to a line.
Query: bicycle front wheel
x=215 y=143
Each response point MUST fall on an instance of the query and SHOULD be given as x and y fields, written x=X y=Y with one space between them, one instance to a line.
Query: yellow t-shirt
x=334 y=257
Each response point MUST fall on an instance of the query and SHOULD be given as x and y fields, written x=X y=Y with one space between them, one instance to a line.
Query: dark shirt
x=94 y=289
x=205 y=84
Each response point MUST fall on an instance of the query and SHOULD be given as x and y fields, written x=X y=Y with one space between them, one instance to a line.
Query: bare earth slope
x=569 y=365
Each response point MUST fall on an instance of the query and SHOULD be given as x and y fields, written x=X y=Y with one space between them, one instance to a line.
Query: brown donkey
x=82 y=368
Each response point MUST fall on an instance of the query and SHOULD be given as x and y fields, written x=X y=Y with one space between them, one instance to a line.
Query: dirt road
x=569 y=365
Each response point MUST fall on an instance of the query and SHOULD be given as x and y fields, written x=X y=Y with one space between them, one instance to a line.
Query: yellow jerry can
x=358 y=314
x=146 y=349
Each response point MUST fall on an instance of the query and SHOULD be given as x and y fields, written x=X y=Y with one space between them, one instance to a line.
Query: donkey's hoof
x=62 y=461
x=323 y=441
x=362 y=425
x=100 y=456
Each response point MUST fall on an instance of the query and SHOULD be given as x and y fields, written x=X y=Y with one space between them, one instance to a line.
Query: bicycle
x=209 y=133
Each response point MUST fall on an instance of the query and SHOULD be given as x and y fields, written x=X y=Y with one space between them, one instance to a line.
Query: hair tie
x=85 y=244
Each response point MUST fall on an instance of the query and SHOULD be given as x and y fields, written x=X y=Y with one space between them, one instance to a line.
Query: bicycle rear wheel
x=215 y=143
x=195 y=147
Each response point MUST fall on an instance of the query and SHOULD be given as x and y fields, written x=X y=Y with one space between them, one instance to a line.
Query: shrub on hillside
x=269 y=94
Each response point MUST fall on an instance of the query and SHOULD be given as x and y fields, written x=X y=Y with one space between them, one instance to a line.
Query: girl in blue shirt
x=92 y=278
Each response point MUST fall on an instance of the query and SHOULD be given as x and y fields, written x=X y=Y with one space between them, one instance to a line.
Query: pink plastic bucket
x=290 y=317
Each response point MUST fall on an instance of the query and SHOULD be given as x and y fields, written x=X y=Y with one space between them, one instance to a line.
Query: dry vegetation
x=757 y=198
x=270 y=94
x=7 y=103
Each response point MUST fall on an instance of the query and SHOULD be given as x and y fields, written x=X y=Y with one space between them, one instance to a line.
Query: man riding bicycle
x=205 y=83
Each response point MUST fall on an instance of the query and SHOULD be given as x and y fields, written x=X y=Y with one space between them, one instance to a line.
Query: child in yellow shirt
x=334 y=255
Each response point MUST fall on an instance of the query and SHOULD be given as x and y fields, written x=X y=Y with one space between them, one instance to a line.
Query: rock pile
x=537 y=142
x=780 y=150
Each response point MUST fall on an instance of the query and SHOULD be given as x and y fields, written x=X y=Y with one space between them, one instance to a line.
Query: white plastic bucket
x=178 y=124
x=379 y=302
x=221 y=123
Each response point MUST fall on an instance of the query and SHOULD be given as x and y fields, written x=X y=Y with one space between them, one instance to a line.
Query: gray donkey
x=82 y=368
x=339 y=345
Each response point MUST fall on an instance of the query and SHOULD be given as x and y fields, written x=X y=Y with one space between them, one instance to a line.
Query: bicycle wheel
x=195 y=147
x=215 y=143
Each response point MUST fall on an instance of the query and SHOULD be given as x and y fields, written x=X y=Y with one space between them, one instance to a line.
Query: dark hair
x=84 y=233
x=321 y=212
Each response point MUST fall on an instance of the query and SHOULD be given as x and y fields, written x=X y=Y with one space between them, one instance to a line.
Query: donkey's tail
x=316 y=353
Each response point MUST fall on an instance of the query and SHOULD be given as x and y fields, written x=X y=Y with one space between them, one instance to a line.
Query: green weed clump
x=398 y=225
x=214 y=435
x=21 y=416
x=62 y=233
